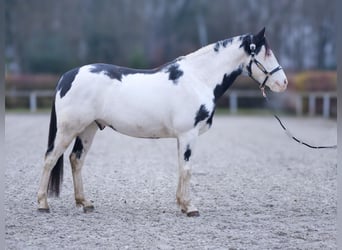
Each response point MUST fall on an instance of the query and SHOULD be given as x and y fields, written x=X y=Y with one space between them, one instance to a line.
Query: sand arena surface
x=253 y=186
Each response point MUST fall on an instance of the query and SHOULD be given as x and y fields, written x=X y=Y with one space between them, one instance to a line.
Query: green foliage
x=47 y=54
x=138 y=60
x=52 y=37
x=104 y=48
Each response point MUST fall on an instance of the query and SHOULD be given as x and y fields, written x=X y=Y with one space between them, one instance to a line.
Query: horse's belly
x=139 y=122
x=145 y=113
x=142 y=129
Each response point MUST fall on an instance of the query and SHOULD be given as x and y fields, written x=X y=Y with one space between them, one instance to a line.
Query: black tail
x=56 y=177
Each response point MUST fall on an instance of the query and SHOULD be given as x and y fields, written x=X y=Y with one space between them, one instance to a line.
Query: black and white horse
x=176 y=100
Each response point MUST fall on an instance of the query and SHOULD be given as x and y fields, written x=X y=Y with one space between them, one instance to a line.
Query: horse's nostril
x=285 y=82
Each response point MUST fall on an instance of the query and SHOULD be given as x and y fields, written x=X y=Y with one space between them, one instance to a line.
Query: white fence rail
x=32 y=95
x=233 y=97
x=292 y=97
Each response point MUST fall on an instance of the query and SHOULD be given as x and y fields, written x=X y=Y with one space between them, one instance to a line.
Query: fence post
x=326 y=105
x=233 y=102
x=299 y=104
x=33 y=101
x=312 y=104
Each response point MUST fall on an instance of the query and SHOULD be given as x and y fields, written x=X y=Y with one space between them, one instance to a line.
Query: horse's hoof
x=88 y=209
x=193 y=214
x=44 y=210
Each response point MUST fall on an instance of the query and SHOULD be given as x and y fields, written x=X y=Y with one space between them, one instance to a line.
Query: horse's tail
x=56 y=176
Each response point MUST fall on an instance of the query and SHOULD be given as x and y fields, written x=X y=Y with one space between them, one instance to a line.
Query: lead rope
x=286 y=130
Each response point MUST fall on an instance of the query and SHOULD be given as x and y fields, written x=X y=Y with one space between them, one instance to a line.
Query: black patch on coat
x=187 y=153
x=65 y=82
x=201 y=114
x=112 y=71
x=116 y=72
x=227 y=41
x=174 y=72
x=248 y=39
x=227 y=81
x=210 y=120
x=217 y=47
x=223 y=43
x=78 y=147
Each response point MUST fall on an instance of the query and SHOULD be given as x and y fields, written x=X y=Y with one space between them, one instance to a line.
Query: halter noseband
x=252 y=47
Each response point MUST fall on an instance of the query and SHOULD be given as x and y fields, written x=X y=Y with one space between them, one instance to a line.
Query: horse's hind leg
x=52 y=160
x=82 y=144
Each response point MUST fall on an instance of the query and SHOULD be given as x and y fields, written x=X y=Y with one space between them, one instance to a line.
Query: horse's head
x=261 y=64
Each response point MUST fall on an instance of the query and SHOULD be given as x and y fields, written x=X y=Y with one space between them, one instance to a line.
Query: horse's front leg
x=185 y=145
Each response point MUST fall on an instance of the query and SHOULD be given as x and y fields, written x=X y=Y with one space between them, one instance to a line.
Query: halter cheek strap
x=252 y=47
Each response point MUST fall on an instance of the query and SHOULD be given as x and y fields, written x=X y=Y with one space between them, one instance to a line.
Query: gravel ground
x=254 y=187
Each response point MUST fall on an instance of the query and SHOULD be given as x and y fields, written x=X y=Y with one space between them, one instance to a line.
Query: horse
x=176 y=100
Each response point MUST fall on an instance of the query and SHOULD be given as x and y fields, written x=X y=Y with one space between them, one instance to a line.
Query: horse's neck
x=210 y=66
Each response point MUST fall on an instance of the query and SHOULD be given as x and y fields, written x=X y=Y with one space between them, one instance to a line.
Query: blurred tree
x=53 y=36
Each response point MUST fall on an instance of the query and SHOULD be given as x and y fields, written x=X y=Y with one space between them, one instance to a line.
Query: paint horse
x=176 y=100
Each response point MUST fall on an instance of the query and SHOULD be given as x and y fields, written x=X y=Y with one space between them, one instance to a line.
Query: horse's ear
x=260 y=36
